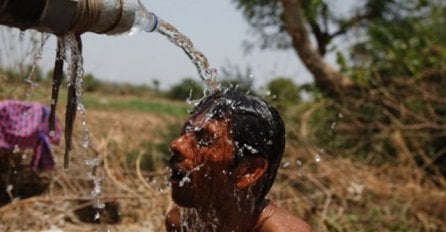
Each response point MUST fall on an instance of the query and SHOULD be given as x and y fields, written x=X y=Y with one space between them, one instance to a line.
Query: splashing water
x=76 y=73
x=299 y=163
x=37 y=56
x=317 y=158
x=186 y=178
x=198 y=224
x=286 y=164
x=16 y=149
x=207 y=74
x=73 y=47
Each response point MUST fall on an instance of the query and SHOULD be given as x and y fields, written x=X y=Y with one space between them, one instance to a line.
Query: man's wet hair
x=256 y=127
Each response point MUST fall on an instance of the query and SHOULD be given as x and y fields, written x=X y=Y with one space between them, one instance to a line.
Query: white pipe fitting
x=117 y=16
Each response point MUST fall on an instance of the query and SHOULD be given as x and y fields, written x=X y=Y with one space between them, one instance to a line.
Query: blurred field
x=130 y=134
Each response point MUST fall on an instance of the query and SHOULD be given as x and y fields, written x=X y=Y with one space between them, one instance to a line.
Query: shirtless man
x=224 y=164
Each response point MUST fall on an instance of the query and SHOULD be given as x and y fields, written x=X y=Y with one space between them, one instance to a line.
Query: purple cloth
x=26 y=125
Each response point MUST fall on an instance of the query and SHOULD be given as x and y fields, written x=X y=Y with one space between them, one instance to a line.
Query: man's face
x=201 y=162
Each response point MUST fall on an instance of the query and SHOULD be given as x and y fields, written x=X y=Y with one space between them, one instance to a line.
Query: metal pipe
x=2 y=4
x=57 y=16
x=62 y=16
x=22 y=14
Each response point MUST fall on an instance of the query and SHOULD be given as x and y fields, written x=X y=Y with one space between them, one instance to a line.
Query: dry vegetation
x=141 y=196
x=332 y=193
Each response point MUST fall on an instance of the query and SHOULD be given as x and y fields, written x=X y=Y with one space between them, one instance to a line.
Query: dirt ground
x=135 y=200
x=331 y=193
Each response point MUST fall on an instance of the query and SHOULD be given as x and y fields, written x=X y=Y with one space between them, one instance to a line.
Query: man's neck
x=232 y=215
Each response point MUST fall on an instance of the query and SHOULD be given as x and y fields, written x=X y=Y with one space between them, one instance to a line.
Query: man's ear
x=250 y=171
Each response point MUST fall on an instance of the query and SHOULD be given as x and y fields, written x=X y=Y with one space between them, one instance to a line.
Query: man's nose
x=182 y=145
x=175 y=144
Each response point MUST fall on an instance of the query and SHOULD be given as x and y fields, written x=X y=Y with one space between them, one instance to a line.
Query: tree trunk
x=326 y=77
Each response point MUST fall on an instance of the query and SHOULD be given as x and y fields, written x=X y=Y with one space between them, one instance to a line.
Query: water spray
x=75 y=17
x=68 y=19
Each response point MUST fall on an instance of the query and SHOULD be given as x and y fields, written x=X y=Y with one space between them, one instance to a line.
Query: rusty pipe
x=62 y=16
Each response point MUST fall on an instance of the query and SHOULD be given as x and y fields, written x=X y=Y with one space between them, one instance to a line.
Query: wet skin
x=204 y=177
x=202 y=162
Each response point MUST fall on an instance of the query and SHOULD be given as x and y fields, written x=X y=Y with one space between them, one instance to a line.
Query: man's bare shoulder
x=281 y=220
x=172 y=220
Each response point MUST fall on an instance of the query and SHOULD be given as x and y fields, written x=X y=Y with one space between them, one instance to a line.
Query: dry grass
x=333 y=194
x=142 y=196
x=338 y=194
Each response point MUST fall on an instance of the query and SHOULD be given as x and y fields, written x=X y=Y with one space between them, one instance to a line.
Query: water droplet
x=286 y=164
x=9 y=188
x=97 y=216
x=340 y=115
x=85 y=144
x=52 y=133
x=96 y=191
x=100 y=205
x=317 y=158
x=185 y=179
x=93 y=162
x=299 y=163
x=251 y=149
x=16 y=149
x=333 y=125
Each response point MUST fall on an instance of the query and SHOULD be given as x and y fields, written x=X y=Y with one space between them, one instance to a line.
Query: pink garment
x=26 y=125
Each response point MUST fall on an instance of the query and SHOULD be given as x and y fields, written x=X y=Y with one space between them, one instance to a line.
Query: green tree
x=395 y=67
x=281 y=24
x=283 y=93
x=188 y=88
x=406 y=42
x=91 y=84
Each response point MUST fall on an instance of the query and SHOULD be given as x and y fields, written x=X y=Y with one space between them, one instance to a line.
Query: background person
x=23 y=126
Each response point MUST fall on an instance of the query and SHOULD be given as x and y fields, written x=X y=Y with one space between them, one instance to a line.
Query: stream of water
x=207 y=74
x=37 y=56
x=72 y=54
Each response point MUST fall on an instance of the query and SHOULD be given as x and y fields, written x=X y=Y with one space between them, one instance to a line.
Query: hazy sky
x=215 y=27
